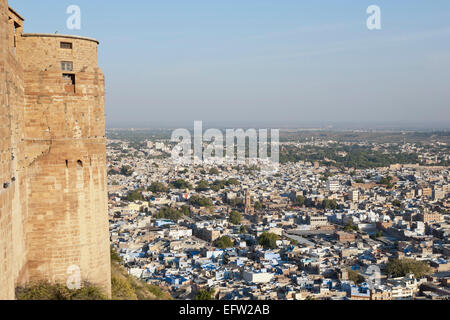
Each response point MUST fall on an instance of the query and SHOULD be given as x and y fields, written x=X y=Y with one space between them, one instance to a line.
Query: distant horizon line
x=313 y=126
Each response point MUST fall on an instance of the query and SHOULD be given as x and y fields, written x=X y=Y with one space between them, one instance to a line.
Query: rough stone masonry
x=53 y=196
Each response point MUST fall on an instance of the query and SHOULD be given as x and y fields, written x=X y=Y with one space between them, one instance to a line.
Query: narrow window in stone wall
x=67 y=66
x=69 y=82
x=69 y=77
x=15 y=38
x=66 y=45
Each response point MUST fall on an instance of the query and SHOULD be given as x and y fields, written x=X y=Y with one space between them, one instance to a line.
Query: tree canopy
x=223 y=242
x=401 y=267
x=134 y=195
x=205 y=295
x=126 y=171
x=172 y=213
x=268 y=240
x=202 y=186
x=180 y=184
x=200 y=201
x=235 y=217
x=158 y=187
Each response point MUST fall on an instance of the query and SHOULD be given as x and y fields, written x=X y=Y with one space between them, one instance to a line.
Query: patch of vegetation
x=329 y=204
x=127 y=287
x=115 y=257
x=200 y=201
x=299 y=201
x=223 y=242
x=235 y=217
x=377 y=235
x=351 y=227
x=258 y=206
x=221 y=184
x=402 y=267
x=359 y=157
x=172 y=213
x=205 y=295
x=158 y=187
x=126 y=171
x=214 y=171
x=134 y=195
x=268 y=240
x=57 y=291
x=202 y=186
x=397 y=203
x=180 y=184
x=386 y=181
x=355 y=277
x=236 y=202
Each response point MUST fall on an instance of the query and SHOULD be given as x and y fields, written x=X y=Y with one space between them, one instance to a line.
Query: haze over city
x=265 y=62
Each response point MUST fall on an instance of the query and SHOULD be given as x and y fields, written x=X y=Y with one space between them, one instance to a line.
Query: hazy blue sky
x=262 y=61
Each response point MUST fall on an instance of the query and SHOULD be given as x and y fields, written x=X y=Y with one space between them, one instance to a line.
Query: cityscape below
x=341 y=204
x=224 y=158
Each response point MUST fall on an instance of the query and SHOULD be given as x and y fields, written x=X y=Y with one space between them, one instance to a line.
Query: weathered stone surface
x=53 y=197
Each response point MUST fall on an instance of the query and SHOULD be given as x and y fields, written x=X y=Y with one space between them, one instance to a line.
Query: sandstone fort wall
x=53 y=197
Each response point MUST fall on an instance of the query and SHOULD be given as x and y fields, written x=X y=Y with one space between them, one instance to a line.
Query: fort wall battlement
x=53 y=197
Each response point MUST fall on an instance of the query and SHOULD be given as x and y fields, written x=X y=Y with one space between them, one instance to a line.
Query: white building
x=333 y=186
x=257 y=277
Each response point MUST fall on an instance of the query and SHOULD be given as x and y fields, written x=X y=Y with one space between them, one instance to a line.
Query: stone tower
x=53 y=199
x=248 y=208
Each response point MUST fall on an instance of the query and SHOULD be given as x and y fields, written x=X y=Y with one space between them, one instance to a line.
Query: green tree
x=299 y=201
x=397 y=203
x=205 y=295
x=242 y=229
x=355 y=277
x=386 y=181
x=202 y=186
x=257 y=206
x=185 y=210
x=180 y=184
x=268 y=240
x=401 y=267
x=169 y=213
x=232 y=182
x=200 y=201
x=329 y=204
x=223 y=242
x=158 y=187
x=214 y=171
x=351 y=227
x=134 y=195
x=126 y=171
x=236 y=202
x=379 y=234
x=235 y=217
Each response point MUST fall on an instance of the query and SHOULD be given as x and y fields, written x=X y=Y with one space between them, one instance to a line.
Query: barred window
x=66 y=45
x=67 y=66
